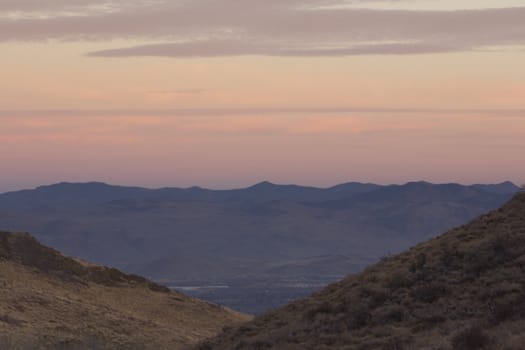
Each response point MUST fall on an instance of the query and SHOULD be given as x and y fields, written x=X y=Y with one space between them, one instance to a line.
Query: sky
x=224 y=94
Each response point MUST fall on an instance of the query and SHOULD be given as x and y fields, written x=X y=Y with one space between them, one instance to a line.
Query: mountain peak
x=418 y=184
x=264 y=184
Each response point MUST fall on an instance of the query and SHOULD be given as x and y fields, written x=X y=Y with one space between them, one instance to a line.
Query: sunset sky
x=228 y=93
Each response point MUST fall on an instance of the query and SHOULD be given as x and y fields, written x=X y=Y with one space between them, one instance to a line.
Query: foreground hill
x=462 y=290
x=49 y=301
x=267 y=243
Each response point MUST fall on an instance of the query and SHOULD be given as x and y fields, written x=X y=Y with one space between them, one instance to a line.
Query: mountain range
x=251 y=249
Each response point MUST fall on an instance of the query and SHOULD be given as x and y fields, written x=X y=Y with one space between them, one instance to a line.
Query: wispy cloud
x=261 y=111
x=206 y=28
x=212 y=48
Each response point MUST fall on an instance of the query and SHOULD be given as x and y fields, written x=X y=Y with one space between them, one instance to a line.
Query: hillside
x=49 y=301
x=462 y=290
x=198 y=237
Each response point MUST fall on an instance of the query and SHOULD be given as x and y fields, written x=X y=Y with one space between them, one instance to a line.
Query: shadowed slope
x=462 y=290
x=51 y=301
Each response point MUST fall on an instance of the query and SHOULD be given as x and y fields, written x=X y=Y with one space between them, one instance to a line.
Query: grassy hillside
x=49 y=301
x=462 y=290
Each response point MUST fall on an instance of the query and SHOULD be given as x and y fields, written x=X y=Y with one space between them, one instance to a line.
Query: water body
x=188 y=289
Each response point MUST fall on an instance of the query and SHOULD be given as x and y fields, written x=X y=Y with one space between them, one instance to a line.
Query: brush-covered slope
x=462 y=290
x=49 y=301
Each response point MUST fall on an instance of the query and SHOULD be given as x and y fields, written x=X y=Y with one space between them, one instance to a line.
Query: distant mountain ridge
x=90 y=193
x=233 y=237
x=50 y=301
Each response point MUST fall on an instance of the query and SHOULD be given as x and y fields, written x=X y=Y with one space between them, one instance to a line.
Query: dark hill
x=67 y=194
x=49 y=301
x=422 y=193
x=462 y=290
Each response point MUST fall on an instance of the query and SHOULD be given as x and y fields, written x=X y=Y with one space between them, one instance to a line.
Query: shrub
x=11 y=320
x=395 y=344
x=472 y=338
x=359 y=316
x=501 y=312
x=261 y=345
x=374 y=296
x=428 y=293
x=399 y=281
x=394 y=313
x=508 y=309
x=418 y=263
x=158 y=288
x=323 y=308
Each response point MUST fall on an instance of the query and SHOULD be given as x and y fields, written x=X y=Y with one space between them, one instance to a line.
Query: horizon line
x=264 y=182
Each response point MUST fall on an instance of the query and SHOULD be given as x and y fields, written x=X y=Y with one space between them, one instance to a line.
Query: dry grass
x=463 y=290
x=53 y=302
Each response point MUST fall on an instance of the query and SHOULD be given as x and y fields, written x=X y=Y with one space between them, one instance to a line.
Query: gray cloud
x=237 y=48
x=207 y=28
x=32 y=6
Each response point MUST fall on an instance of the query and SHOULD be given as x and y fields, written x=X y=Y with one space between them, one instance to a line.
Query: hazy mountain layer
x=250 y=237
